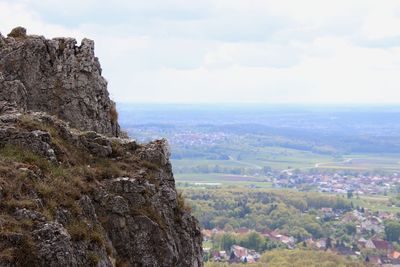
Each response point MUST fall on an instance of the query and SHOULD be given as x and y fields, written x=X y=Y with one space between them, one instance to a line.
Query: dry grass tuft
x=78 y=230
x=93 y=258
x=114 y=114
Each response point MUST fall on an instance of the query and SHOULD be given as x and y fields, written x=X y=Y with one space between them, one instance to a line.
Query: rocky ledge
x=71 y=196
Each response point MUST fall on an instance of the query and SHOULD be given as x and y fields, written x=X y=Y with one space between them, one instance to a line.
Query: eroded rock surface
x=71 y=193
x=58 y=77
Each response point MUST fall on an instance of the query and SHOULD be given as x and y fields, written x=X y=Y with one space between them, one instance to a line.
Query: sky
x=230 y=51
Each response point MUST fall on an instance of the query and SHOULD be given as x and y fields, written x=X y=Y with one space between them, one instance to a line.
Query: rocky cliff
x=70 y=193
x=58 y=77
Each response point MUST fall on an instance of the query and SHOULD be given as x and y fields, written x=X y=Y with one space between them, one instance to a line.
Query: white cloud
x=231 y=50
x=15 y=14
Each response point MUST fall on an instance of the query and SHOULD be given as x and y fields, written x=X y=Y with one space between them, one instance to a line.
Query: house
x=222 y=254
x=216 y=256
x=378 y=244
x=361 y=242
x=309 y=242
x=321 y=243
x=239 y=251
x=343 y=250
x=394 y=255
x=288 y=240
x=375 y=260
x=238 y=254
x=268 y=233
x=216 y=231
x=386 y=215
x=274 y=235
x=248 y=259
x=206 y=250
x=207 y=234
x=350 y=218
x=242 y=231
x=372 y=225
x=326 y=210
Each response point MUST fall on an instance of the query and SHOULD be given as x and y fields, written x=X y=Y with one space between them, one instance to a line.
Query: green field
x=375 y=203
x=275 y=157
x=222 y=179
x=283 y=158
x=384 y=162
x=280 y=159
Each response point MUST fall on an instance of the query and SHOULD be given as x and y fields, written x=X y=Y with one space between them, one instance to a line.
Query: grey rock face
x=151 y=232
x=56 y=248
x=141 y=220
x=54 y=104
x=59 y=77
x=37 y=140
x=40 y=141
x=148 y=210
x=13 y=92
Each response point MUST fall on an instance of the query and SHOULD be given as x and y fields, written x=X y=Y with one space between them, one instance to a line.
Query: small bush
x=113 y=114
x=109 y=249
x=149 y=165
x=96 y=236
x=19 y=154
x=26 y=254
x=117 y=149
x=151 y=213
x=182 y=206
x=29 y=123
x=13 y=203
x=122 y=263
x=18 y=32
x=107 y=169
x=78 y=230
x=45 y=190
x=7 y=255
x=93 y=258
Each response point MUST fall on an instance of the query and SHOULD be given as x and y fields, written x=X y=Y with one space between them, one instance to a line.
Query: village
x=340 y=183
x=367 y=240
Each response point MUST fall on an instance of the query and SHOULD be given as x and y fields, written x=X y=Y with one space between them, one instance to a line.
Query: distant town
x=356 y=184
x=366 y=239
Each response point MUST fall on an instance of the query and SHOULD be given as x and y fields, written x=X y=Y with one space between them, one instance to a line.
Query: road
x=317 y=165
x=245 y=163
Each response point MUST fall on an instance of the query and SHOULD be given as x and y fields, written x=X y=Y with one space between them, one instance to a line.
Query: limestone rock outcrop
x=71 y=192
x=58 y=77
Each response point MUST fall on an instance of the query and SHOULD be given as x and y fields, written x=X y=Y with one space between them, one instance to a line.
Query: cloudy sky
x=309 y=51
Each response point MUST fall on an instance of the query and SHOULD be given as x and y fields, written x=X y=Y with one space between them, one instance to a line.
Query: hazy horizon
x=350 y=104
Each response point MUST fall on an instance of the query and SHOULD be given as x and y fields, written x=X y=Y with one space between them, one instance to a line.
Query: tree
x=228 y=228
x=267 y=169
x=314 y=229
x=328 y=243
x=255 y=241
x=349 y=194
x=227 y=241
x=392 y=231
x=351 y=229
